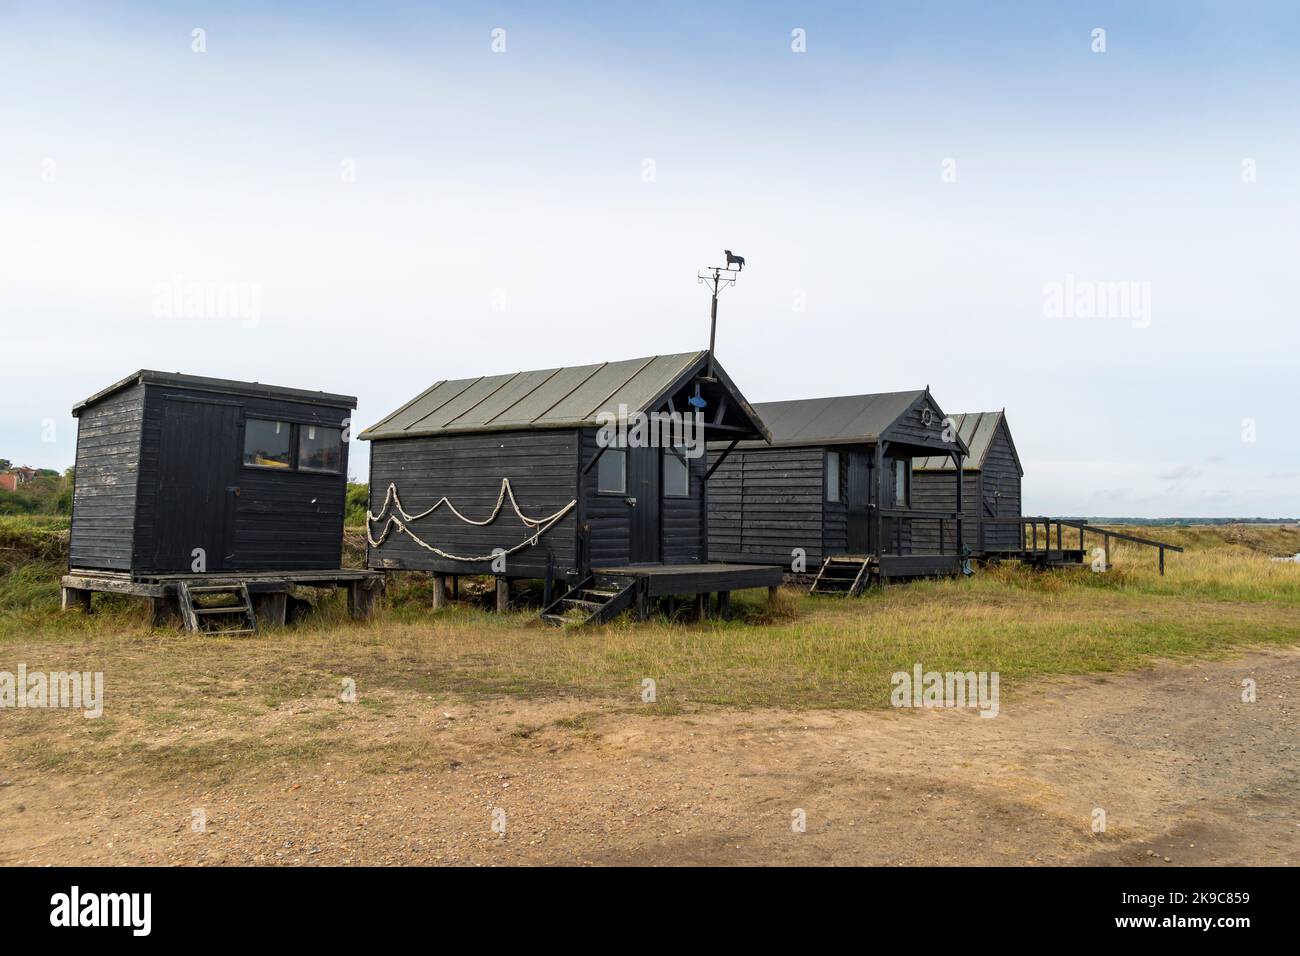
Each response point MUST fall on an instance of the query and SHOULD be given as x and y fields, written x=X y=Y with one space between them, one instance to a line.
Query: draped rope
x=401 y=519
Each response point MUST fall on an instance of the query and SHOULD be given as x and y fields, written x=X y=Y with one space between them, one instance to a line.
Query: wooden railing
x=1029 y=535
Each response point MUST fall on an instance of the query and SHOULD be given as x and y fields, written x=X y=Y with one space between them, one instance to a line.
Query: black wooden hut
x=180 y=473
x=836 y=480
x=991 y=484
x=527 y=475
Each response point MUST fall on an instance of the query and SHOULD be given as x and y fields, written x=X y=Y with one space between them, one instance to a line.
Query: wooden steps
x=196 y=610
x=591 y=603
x=842 y=575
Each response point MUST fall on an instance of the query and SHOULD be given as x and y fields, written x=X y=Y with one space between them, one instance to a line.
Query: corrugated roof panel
x=545 y=398
x=516 y=390
x=435 y=397
x=976 y=430
x=643 y=387
x=553 y=390
x=464 y=402
x=593 y=394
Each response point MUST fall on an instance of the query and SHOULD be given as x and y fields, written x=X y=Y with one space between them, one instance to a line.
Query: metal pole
x=713 y=323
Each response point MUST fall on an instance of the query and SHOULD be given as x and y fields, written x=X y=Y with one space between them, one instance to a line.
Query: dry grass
x=804 y=653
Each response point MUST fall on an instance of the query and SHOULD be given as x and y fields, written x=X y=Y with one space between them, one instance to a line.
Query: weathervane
x=713 y=277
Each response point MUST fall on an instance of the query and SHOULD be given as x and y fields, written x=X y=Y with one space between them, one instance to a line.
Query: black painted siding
x=282 y=520
x=542 y=466
x=682 y=520
x=996 y=490
x=765 y=502
x=104 y=495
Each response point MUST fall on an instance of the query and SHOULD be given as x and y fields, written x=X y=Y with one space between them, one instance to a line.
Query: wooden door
x=858 y=496
x=644 y=490
x=198 y=466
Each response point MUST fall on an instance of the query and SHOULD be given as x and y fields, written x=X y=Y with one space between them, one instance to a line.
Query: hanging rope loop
x=401 y=520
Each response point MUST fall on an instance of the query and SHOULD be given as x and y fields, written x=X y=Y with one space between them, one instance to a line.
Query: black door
x=644 y=500
x=198 y=466
x=858 y=496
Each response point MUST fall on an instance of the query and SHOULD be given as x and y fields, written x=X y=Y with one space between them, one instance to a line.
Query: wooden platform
x=271 y=589
x=1042 y=558
x=681 y=579
x=919 y=565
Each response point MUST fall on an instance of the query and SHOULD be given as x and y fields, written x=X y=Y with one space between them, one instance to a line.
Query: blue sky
x=404 y=204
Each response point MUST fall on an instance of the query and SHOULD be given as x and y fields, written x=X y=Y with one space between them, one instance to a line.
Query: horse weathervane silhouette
x=718 y=278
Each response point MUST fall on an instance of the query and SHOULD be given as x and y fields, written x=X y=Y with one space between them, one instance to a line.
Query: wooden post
x=439 y=591
x=163 y=611
x=957 y=460
x=1162 y=562
x=272 y=609
x=1080 y=537
x=702 y=605
x=1105 y=538
x=878 y=464
x=772 y=590
x=503 y=594
x=75 y=598
x=362 y=597
x=642 y=601
x=724 y=605
x=455 y=587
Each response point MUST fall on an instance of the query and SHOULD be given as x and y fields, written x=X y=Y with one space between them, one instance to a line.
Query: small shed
x=527 y=475
x=836 y=479
x=181 y=473
x=991 y=478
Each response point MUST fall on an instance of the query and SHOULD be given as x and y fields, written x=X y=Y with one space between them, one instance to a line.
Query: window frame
x=680 y=457
x=903 y=469
x=839 y=471
x=294 y=446
x=290 y=466
x=623 y=454
x=297 y=457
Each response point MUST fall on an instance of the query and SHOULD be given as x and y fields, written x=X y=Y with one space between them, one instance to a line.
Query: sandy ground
x=1186 y=772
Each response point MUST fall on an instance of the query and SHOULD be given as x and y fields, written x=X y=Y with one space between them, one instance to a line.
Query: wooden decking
x=680 y=579
x=270 y=590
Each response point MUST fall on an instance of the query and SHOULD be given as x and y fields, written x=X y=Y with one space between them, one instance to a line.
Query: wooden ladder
x=589 y=603
x=195 y=614
x=841 y=575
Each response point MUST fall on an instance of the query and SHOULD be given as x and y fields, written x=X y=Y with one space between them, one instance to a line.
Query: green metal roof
x=547 y=398
x=976 y=430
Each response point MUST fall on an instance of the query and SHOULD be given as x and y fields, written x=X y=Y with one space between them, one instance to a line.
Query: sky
x=1097 y=232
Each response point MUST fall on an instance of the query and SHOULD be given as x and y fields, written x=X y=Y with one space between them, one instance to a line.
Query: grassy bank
x=806 y=652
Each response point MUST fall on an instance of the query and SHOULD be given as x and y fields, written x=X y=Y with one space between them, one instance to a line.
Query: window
x=832 y=476
x=266 y=444
x=320 y=448
x=611 y=472
x=677 y=473
x=902 y=482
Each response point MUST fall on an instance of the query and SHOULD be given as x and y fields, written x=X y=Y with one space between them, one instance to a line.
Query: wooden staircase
x=232 y=616
x=843 y=575
x=591 y=603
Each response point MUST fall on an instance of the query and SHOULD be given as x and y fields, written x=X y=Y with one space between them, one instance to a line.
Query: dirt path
x=1185 y=771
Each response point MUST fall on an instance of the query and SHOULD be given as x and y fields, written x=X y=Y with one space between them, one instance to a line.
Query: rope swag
x=401 y=520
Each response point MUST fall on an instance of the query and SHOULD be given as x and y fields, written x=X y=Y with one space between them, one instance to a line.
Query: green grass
x=806 y=652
